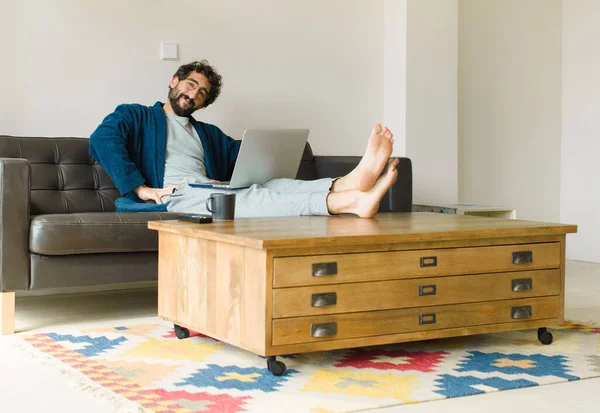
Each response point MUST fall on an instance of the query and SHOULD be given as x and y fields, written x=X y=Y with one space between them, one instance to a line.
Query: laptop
x=265 y=154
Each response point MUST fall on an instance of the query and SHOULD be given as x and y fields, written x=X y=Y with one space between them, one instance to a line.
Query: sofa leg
x=7 y=312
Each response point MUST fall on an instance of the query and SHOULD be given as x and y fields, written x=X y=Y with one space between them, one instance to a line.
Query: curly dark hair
x=207 y=70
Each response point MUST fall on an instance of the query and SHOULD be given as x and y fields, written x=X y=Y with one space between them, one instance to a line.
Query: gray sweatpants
x=277 y=197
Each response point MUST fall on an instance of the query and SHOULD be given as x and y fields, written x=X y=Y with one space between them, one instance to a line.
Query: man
x=152 y=153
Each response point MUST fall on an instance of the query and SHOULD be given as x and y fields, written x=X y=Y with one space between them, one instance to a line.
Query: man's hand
x=148 y=194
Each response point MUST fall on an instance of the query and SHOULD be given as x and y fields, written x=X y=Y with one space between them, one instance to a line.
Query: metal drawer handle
x=522 y=257
x=323 y=300
x=523 y=311
x=522 y=284
x=323 y=329
x=426 y=319
x=427 y=290
x=321 y=269
x=428 y=262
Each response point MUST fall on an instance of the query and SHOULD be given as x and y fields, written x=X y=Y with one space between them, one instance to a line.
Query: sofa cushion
x=92 y=233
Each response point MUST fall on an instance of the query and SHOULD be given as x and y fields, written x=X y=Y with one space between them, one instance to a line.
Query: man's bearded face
x=188 y=95
x=182 y=104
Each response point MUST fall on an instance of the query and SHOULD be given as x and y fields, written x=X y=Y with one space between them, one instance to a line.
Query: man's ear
x=174 y=82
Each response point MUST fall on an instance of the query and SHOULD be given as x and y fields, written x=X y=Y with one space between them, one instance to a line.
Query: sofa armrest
x=399 y=196
x=14 y=224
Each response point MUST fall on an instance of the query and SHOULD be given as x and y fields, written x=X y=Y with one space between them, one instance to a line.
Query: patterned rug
x=146 y=368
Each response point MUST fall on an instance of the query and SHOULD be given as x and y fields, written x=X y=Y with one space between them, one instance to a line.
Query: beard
x=174 y=96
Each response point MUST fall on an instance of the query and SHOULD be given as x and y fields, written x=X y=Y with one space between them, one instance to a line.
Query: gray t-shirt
x=184 y=157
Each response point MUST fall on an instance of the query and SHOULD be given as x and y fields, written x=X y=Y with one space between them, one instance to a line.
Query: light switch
x=168 y=51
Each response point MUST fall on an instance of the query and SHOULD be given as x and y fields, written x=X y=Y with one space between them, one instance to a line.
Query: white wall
x=580 y=169
x=510 y=105
x=8 y=74
x=309 y=63
x=394 y=72
x=431 y=99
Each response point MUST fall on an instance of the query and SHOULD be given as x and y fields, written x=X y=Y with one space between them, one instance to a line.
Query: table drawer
x=384 y=295
x=374 y=323
x=343 y=268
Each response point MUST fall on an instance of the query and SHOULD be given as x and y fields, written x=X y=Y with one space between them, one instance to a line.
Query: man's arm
x=146 y=193
x=109 y=146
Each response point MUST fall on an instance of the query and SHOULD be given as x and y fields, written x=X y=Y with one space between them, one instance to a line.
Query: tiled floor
x=25 y=387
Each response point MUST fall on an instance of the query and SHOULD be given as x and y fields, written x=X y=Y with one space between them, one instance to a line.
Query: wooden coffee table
x=278 y=286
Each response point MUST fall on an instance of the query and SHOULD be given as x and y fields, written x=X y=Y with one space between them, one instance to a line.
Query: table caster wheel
x=274 y=366
x=181 y=332
x=544 y=335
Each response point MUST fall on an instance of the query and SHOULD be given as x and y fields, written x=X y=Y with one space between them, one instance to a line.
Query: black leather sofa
x=59 y=228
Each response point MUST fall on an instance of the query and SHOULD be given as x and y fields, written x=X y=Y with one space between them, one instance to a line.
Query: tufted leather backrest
x=64 y=177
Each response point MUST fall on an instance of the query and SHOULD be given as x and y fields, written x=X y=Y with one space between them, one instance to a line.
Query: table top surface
x=314 y=231
x=469 y=207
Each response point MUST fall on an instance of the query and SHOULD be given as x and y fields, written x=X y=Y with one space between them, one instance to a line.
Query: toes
x=393 y=163
x=382 y=131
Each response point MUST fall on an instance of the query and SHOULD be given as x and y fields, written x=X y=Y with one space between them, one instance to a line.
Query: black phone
x=197 y=218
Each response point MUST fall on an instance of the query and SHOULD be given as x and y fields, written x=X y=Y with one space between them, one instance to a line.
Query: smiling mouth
x=186 y=100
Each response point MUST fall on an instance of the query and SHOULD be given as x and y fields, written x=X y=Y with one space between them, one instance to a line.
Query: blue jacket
x=130 y=144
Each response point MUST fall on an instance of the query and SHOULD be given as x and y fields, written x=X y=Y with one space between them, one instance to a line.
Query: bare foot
x=379 y=150
x=363 y=204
